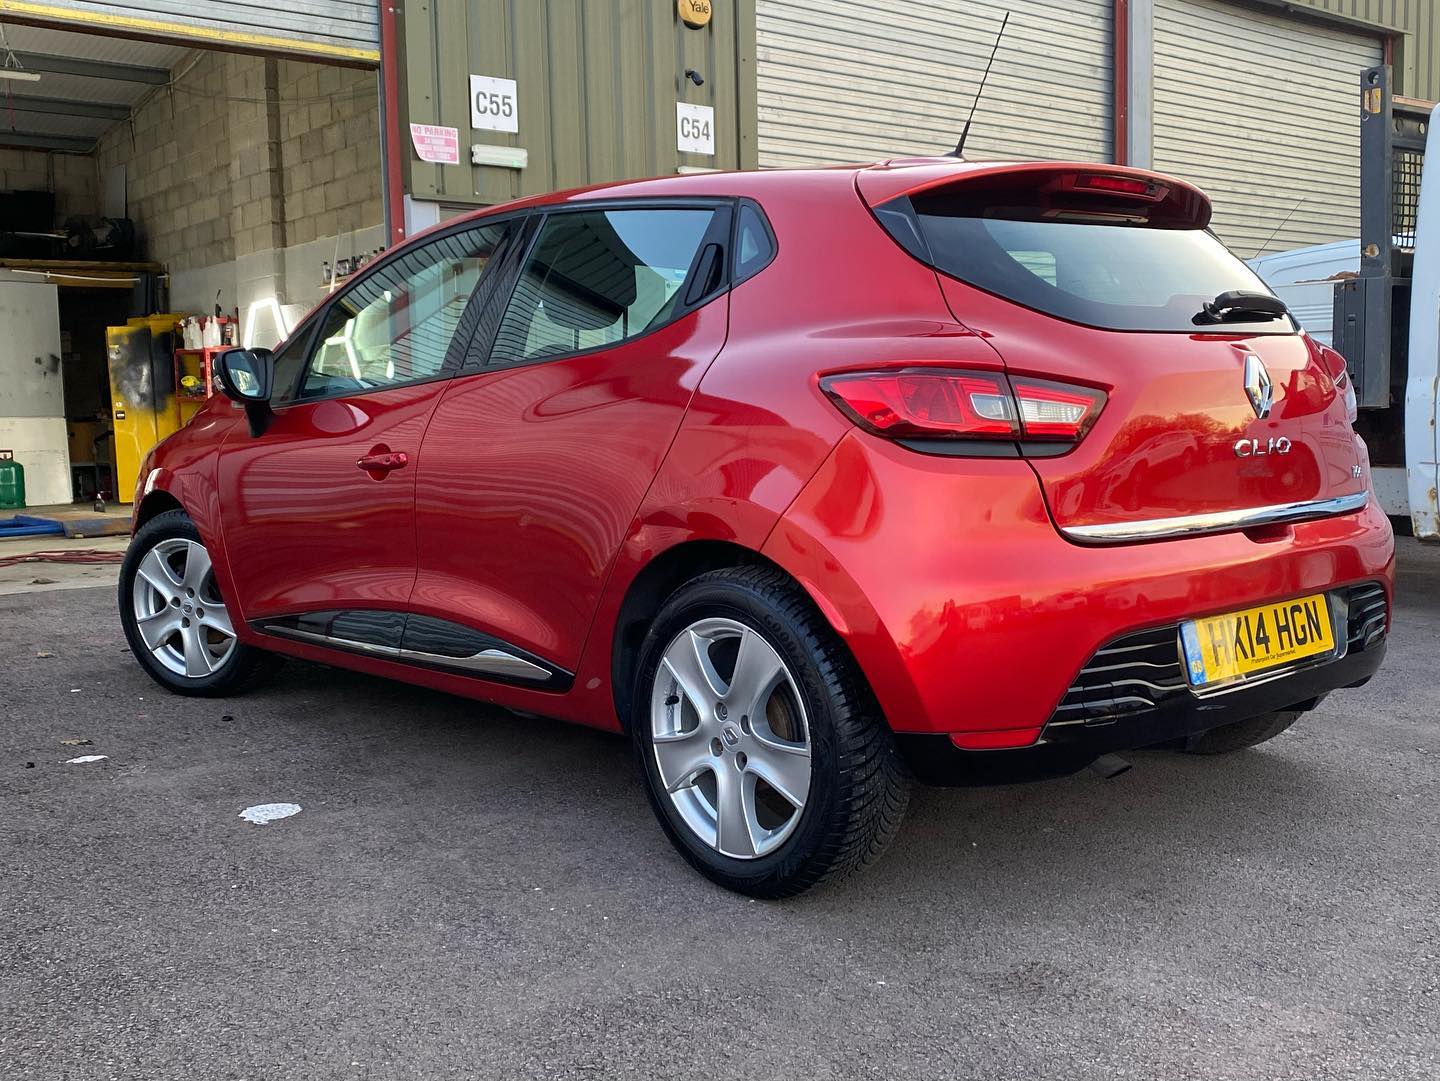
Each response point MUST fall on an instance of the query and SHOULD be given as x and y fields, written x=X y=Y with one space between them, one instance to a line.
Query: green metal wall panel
x=1417 y=59
x=598 y=81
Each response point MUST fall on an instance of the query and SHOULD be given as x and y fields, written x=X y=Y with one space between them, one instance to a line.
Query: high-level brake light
x=1118 y=185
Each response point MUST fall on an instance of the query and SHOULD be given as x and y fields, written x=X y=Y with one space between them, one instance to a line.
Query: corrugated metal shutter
x=858 y=80
x=1262 y=111
x=338 y=29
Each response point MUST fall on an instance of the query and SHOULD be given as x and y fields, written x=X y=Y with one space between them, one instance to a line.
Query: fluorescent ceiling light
x=20 y=76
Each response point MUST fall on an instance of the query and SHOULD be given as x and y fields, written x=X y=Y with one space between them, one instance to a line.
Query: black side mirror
x=246 y=376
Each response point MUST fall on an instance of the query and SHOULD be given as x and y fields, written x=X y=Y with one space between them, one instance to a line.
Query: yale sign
x=694 y=13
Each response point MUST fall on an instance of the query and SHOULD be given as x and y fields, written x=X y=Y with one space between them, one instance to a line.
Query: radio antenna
x=965 y=131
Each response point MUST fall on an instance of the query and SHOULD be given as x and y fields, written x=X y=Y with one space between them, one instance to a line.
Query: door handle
x=384 y=462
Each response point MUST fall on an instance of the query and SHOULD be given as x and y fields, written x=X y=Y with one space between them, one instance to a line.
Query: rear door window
x=595 y=278
x=754 y=246
x=1115 y=275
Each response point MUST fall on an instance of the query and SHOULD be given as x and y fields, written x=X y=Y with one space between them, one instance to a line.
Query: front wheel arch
x=154 y=505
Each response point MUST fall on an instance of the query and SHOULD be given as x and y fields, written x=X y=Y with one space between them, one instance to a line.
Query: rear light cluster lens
x=1346 y=386
x=920 y=403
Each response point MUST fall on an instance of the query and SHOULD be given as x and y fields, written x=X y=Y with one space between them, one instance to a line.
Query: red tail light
x=930 y=403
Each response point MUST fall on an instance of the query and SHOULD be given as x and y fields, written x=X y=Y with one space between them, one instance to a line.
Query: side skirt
x=422 y=641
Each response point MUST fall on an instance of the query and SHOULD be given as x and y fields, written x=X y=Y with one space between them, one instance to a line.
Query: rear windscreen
x=1111 y=274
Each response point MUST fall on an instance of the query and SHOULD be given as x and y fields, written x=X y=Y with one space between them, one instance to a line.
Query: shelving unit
x=207 y=377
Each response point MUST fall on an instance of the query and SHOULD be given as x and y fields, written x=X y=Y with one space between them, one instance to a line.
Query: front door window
x=397 y=324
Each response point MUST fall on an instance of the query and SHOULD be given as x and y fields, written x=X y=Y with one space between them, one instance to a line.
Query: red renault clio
x=811 y=482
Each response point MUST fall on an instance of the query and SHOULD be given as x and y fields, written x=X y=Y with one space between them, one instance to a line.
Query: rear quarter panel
x=839 y=294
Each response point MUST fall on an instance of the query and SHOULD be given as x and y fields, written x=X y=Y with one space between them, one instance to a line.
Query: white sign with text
x=694 y=128
x=494 y=104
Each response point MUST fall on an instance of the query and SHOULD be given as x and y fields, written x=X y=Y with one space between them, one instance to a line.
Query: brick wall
x=72 y=177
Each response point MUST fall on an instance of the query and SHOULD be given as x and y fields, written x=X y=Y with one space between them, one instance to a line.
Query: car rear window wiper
x=1240 y=305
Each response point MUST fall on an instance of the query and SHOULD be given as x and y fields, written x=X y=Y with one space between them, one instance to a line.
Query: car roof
x=877 y=182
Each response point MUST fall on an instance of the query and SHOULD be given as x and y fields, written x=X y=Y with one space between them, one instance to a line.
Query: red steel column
x=390 y=126
x=1121 y=68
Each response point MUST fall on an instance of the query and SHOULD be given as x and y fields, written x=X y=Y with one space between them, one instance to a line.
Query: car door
x=542 y=448
x=318 y=509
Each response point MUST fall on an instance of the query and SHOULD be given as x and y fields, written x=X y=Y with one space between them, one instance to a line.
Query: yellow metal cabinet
x=142 y=392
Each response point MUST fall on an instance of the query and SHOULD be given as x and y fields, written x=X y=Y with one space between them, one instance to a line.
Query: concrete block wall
x=176 y=158
x=269 y=159
x=71 y=177
x=330 y=147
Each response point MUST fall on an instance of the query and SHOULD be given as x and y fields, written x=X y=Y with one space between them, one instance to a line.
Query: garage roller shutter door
x=1262 y=111
x=857 y=80
x=346 y=30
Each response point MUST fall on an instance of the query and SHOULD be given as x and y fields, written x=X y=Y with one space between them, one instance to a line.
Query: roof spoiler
x=1062 y=190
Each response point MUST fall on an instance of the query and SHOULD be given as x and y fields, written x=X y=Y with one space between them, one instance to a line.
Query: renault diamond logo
x=1257 y=386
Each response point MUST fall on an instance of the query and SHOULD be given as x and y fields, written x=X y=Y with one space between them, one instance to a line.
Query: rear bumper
x=935 y=759
x=971 y=615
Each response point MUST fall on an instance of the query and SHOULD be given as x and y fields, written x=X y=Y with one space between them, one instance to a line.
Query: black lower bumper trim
x=934 y=759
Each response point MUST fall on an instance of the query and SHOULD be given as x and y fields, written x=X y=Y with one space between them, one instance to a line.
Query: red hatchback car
x=810 y=481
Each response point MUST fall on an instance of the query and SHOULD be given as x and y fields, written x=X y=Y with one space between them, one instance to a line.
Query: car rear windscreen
x=1115 y=275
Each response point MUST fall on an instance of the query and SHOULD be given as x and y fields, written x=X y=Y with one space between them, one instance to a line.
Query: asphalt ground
x=469 y=893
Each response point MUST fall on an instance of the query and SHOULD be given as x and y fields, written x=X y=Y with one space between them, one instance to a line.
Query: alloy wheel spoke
x=686 y=661
x=784 y=768
x=680 y=757
x=197 y=566
x=198 y=660
x=218 y=619
x=734 y=812
x=757 y=669
x=155 y=570
x=156 y=629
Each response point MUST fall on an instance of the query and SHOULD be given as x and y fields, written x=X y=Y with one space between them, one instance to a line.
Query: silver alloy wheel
x=178 y=609
x=730 y=737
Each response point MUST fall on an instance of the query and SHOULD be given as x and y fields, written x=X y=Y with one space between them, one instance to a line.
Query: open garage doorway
x=179 y=188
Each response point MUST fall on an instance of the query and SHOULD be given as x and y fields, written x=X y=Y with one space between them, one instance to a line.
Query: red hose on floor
x=79 y=555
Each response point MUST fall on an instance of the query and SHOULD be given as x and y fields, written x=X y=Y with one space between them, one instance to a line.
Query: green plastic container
x=12 y=480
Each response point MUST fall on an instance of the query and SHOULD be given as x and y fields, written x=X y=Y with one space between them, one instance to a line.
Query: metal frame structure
x=1373 y=310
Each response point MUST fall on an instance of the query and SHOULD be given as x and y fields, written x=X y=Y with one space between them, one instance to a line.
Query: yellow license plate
x=1221 y=649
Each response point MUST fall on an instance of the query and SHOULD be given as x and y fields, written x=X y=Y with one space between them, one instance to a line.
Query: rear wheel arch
x=654 y=585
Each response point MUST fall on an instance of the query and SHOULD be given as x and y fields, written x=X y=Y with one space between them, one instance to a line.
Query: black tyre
x=176 y=622
x=1241 y=734
x=765 y=756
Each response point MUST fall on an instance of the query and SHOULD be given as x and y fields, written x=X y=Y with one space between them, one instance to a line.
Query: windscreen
x=1115 y=274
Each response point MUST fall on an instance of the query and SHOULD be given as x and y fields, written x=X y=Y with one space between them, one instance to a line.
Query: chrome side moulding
x=1192 y=525
x=495 y=662
x=422 y=641
x=281 y=630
